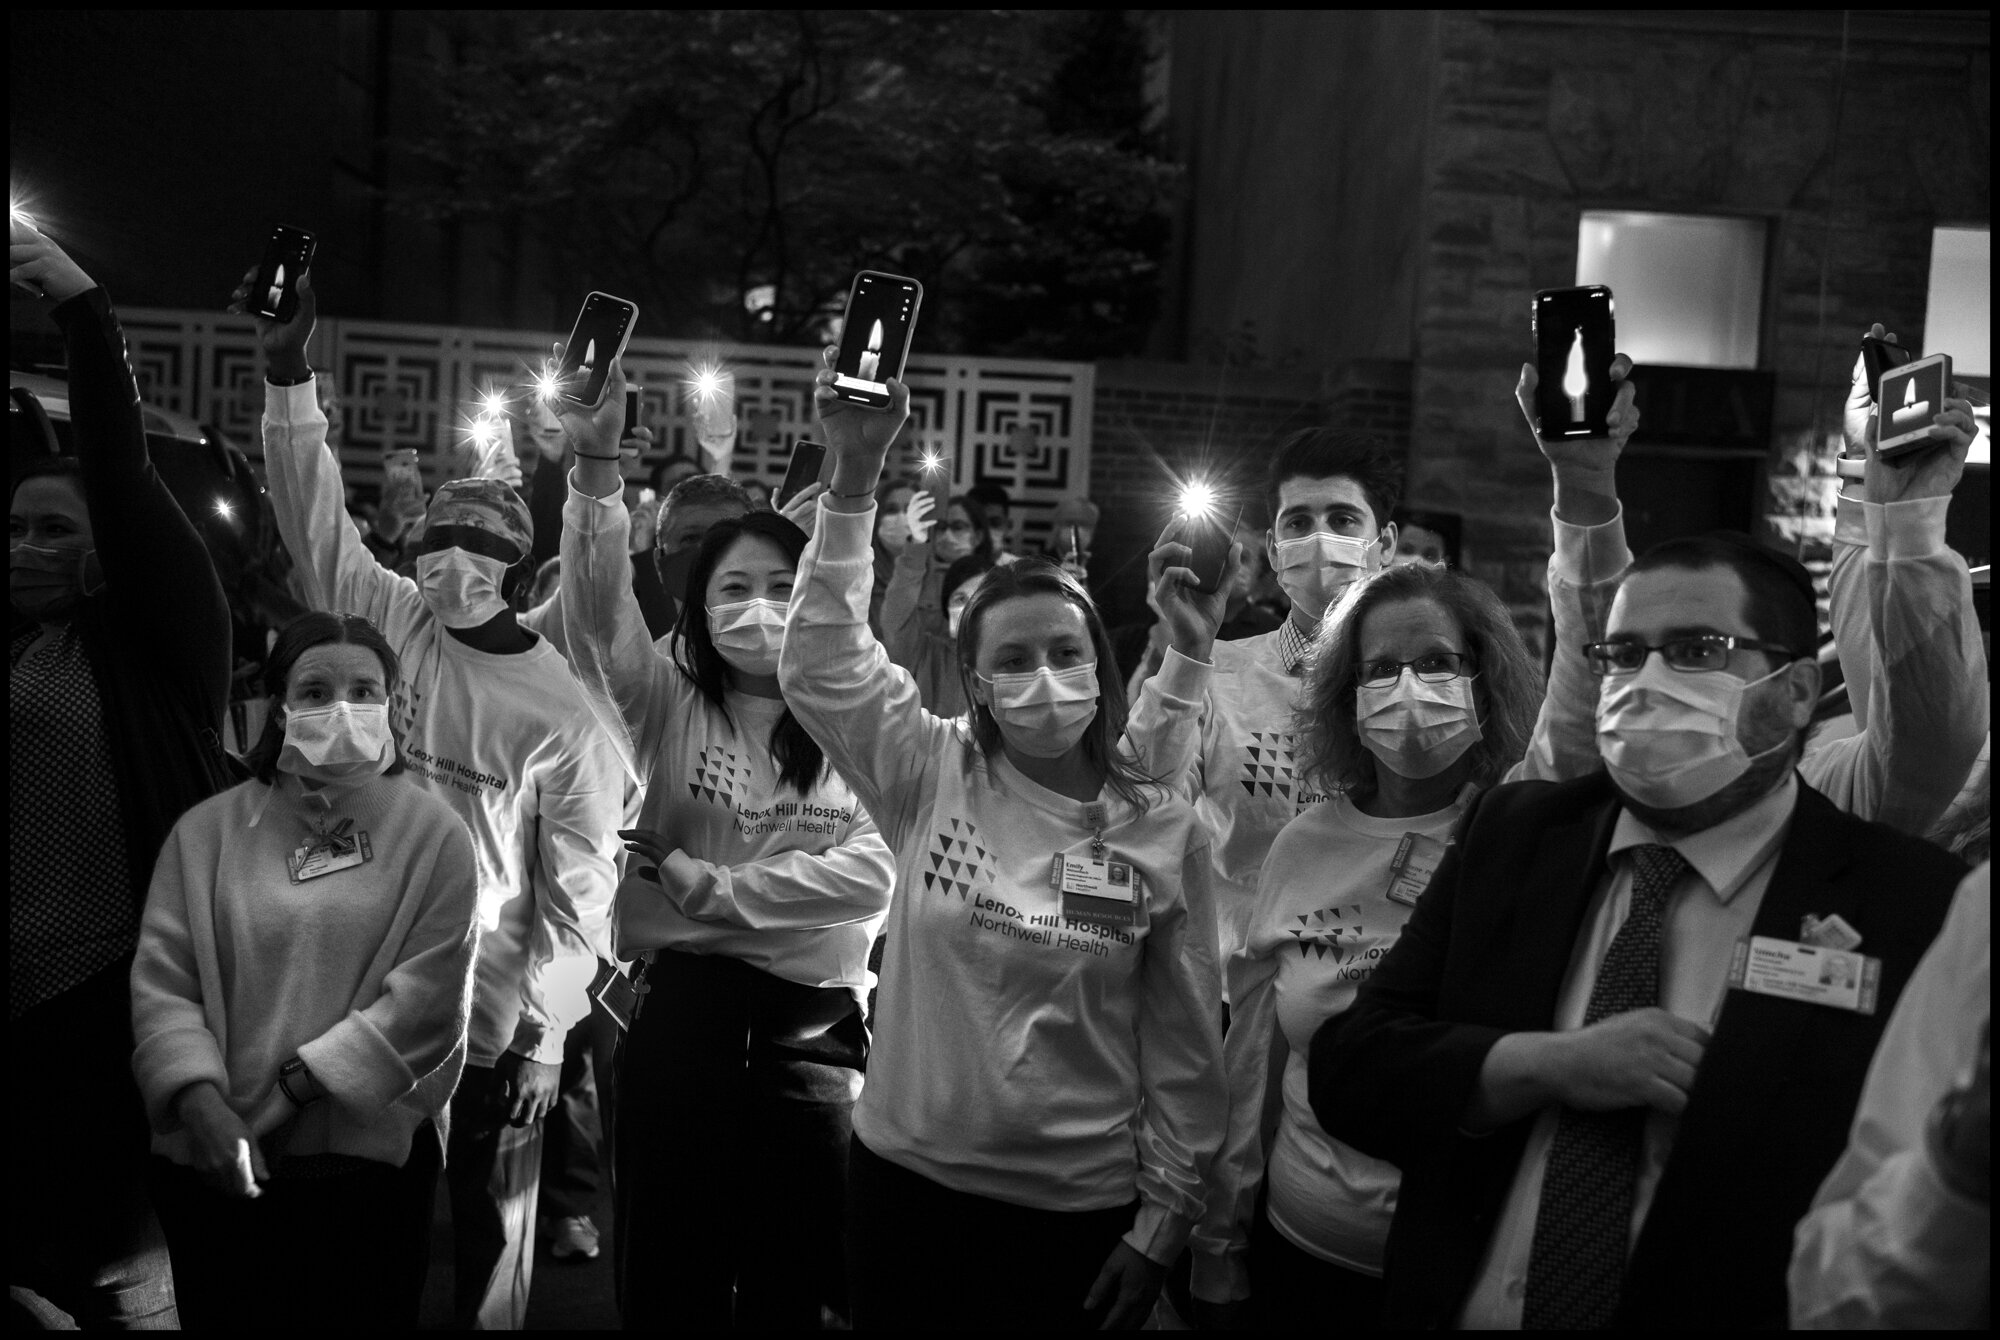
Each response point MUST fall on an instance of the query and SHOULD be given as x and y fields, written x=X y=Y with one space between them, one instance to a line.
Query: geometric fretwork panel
x=1022 y=424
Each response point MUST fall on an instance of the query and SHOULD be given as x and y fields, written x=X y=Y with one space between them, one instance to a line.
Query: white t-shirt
x=506 y=740
x=1020 y=1054
x=797 y=886
x=1324 y=917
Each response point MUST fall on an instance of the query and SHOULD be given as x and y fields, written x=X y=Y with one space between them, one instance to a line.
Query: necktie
x=1583 y=1226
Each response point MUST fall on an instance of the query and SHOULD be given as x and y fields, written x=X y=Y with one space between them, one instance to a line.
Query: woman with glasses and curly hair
x=1418 y=695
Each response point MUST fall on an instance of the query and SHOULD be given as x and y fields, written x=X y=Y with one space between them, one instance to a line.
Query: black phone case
x=1878 y=357
x=1210 y=539
x=1561 y=317
x=601 y=322
x=632 y=403
x=902 y=353
x=295 y=253
x=808 y=459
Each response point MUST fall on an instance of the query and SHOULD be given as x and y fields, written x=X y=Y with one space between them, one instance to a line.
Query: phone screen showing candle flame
x=1573 y=352
x=875 y=336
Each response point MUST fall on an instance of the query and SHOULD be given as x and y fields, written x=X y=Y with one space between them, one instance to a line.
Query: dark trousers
x=494 y=1173
x=734 y=1095
x=924 y=1257
x=346 y=1251
x=576 y=1134
x=83 y=1246
x=1292 y=1289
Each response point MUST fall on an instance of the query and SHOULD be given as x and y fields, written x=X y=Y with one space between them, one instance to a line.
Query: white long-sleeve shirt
x=506 y=740
x=1019 y=1055
x=1914 y=665
x=1887 y=1244
x=795 y=885
x=1236 y=753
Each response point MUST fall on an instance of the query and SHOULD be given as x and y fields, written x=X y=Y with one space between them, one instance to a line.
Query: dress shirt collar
x=1293 y=644
x=1727 y=854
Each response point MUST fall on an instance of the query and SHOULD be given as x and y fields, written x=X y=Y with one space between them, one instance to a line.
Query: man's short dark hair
x=1327 y=453
x=698 y=489
x=990 y=495
x=1783 y=607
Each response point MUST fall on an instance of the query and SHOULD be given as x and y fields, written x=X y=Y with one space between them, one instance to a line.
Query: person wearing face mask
x=892 y=533
x=118 y=682
x=299 y=1006
x=758 y=884
x=493 y=723
x=1046 y=1065
x=918 y=639
x=1420 y=696
x=1331 y=493
x=1588 y=1052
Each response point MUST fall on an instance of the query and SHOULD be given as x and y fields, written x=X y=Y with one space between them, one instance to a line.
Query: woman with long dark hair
x=755 y=888
x=1045 y=1089
x=299 y=1005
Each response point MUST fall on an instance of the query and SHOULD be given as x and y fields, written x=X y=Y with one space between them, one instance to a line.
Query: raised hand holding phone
x=875 y=336
x=917 y=515
x=858 y=437
x=592 y=433
x=1190 y=607
x=284 y=342
x=37 y=265
x=1585 y=469
x=598 y=340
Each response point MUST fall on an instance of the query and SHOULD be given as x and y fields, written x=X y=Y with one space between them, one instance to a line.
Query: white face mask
x=337 y=743
x=894 y=530
x=1414 y=729
x=749 y=634
x=461 y=588
x=1043 y=712
x=1314 y=569
x=1669 y=738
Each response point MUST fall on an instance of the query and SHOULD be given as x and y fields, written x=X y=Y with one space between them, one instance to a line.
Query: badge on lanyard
x=328 y=850
x=1417 y=858
x=1815 y=974
x=1095 y=887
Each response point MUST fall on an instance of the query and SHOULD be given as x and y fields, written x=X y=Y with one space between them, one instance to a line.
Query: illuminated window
x=1958 y=316
x=1689 y=289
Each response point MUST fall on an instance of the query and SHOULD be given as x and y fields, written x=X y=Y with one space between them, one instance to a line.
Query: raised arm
x=1588 y=562
x=836 y=678
x=1168 y=729
x=158 y=578
x=334 y=569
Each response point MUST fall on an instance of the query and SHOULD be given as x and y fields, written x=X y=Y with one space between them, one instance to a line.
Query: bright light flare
x=1197 y=499
x=547 y=385
x=224 y=510
x=493 y=404
x=932 y=461
x=15 y=214
x=706 y=381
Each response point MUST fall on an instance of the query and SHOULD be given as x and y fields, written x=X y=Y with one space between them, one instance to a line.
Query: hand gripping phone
x=1878 y=357
x=632 y=397
x=808 y=458
x=875 y=337
x=289 y=254
x=1209 y=534
x=1574 y=345
x=1909 y=397
x=598 y=339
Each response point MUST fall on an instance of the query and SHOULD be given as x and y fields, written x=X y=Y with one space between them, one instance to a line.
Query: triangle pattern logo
x=957 y=860
x=1267 y=764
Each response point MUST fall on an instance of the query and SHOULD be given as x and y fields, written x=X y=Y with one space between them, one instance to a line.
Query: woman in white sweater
x=1419 y=693
x=757 y=885
x=1045 y=1091
x=299 y=1008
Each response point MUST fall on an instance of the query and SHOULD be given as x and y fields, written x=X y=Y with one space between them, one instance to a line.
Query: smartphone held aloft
x=602 y=330
x=1575 y=343
x=808 y=459
x=1910 y=398
x=287 y=256
x=875 y=337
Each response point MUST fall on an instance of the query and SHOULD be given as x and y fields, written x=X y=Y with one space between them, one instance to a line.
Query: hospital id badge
x=325 y=857
x=1417 y=859
x=1105 y=893
x=1815 y=974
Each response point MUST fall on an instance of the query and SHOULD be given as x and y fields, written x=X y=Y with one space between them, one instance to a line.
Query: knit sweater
x=365 y=972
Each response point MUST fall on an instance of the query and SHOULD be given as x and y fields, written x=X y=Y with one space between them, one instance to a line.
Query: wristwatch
x=296 y=1069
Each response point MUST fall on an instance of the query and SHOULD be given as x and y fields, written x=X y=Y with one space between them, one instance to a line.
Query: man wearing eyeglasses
x=1600 y=1053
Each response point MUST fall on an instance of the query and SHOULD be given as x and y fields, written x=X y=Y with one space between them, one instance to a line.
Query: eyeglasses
x=1433 y=669
x=1689 y=655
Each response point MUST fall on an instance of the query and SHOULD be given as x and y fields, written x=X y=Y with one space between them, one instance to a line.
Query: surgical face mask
x=1669 y=738
x=894 y=530
x=1043 y=713
x=46 y=580
x=1415 y=729
x=749 y=634
x=953 y=545
x=1314 y=569
x=338 y=743
x=462 y=588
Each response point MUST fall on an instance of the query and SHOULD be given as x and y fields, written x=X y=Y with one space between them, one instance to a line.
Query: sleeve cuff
x=1850 y=526
x=167 y=1063
x=1158 y=1234
x=292 y=404
x=589 y=515
x=1183 y=677
x=356 y=1065
x=1220 y=1277
x=848 y=534
x=1587 y=555
x=1913 y=528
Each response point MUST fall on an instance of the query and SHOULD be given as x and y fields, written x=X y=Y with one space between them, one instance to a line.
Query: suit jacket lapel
x=1568 y=865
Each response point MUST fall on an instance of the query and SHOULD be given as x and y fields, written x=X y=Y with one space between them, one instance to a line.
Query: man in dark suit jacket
x=1594 y=1126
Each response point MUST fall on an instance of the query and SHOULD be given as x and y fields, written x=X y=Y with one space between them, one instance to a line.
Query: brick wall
x=1159 y=424
x=1539 y=116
